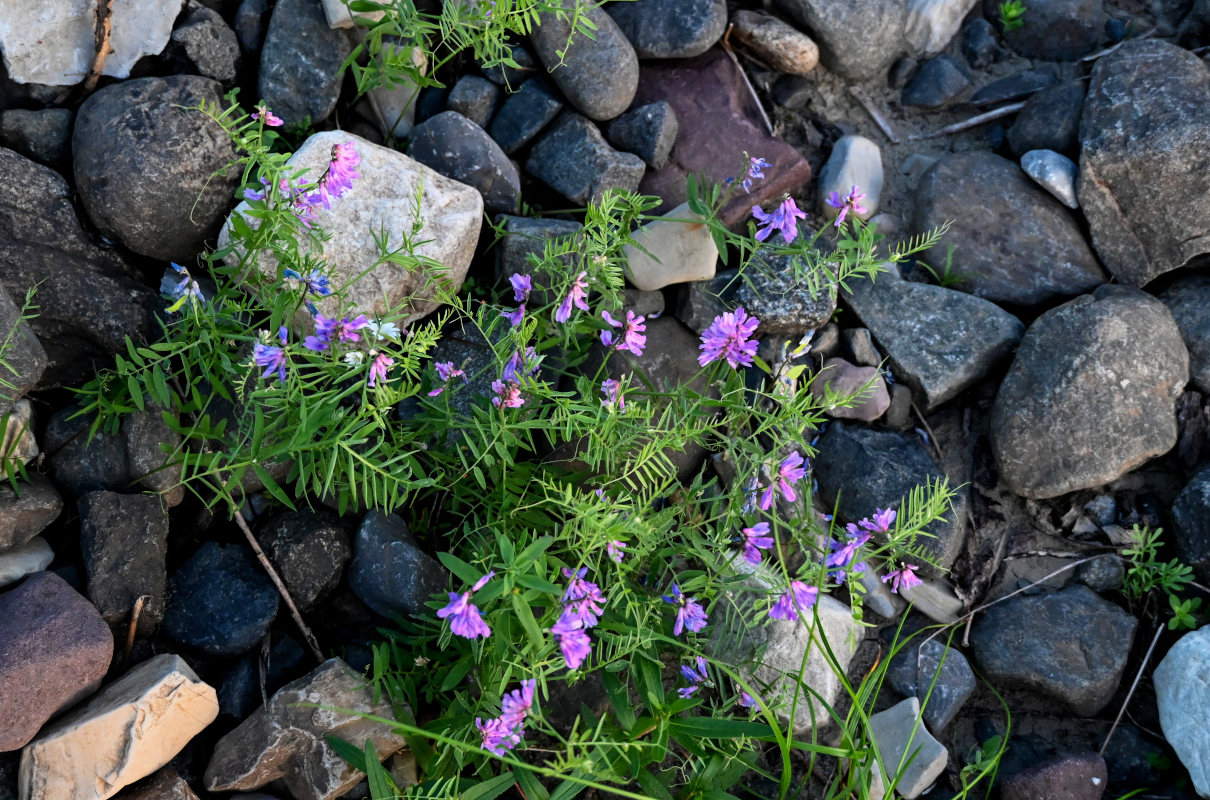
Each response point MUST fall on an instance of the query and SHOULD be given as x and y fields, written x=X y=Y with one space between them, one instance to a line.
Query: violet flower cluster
x=792 y=469
x=505 y=732
x=631 y=339
x=689 y=612
x=729 y=339
x=522 y=287
x=336 y=182
x=783 y=219
x=465 y=619
x=583 y=605
x=697 y=676
x=848 y=204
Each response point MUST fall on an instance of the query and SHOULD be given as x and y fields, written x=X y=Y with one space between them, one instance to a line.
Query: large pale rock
x=124 y=733
x=931 y=24
x=671 y=250
x=53 y=43
x=384 y=199
x=855 y=161
x=1183 y=697
x=285 y=739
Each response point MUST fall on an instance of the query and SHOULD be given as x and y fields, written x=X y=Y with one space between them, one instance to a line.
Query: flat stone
x=474 y=98
x=855 y=161
x=1053 y=172
x=859 y=343
x=163 y=785
x=671 y=28
x=841 y=377
x=598 y=75
x=573 y=158
x=54 y=44
x=24 y=559
x=931 y=24
x=309 y=550
x=1091 y=394
x=936 y=675
x=285 y=740
x=209 y=43
x=784 y=296
x=671 y=251
x=459 y=149
x=390 y=573
x=124 y=733
x=935 y=599
x=1050 y=120
x=647 y=131
x=395 y=105
x=220 y=601
x=24 y=517
x=525 y=237
x=1191 y=523
x=858 y=40
x=877 y=597
x=901 y=737
x=781 y=46
x=44 y=136
x=1182 y=696
x=124 y=539
x=1188 y=298
x=1082 y=776
x=938 y=83
x=1057 y=30
x=524 y=114
x=1013 y=87
x=300 y=76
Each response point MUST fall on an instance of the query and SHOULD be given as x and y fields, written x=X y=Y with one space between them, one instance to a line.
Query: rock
x=512 y=77
x=285 y=740
x=939 y=82
x=671 y=251
x=42 y=135
x=718 y=121
x=54 y=651
x=124 y=538
x=671 y=28
x=163 y=785
x=699 y=302
x=26 y=559
x=54 y=44
x=144 y=719
x=19 y=445
x=394 y=105
x=459 y=149
x=474 y=98
x=775 y=43
x=858 y=41
x=779 y=292
x=647 y=131
x=383 y=198
x=1102 y=574
x=145 y=164
x=1053 y=172
x=855 y=161
x=1065 y=777
x=88 y=299
x=24 y=356
x=1192 y=524
x=525 y=237
x=1188 y=298
x=241 y=691
x=390 y=573
x=300 y=73
x=793 y=91
x=598 y=75
x=877 y=597
x=1144 y=143
x=1181 y=696
x=1091 y=394
x=949 y=342
x=1050 y=120
x=310 y=551
x=1014 y=242
x=931 y=24
x=938 y=676
x=1068 y=645
x=220 y=601
x=1020 y=84
x=841 y=377
x=524 y=114
x=902 y=71
x=24 y=517
x=209 y=43
x=907 y=749
x=936 y=600
x=859 y=344
x=250 y=21
x=1056 y=30
x=979 y=44
x=899 y=413
x=573 y=159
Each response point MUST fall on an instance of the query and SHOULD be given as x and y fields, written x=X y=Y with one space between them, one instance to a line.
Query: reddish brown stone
x=718 y=120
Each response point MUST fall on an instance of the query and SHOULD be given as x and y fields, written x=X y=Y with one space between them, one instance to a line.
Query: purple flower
x=755 y=165
x=508 y=395
x=748 y=701
x=903 y=578
x=518 y=704
x=790 y=472
x=689 y=613
x=445 y=371
x=755 y=540
x=576 y=296
x=632 y=339
x=262 y=114
x=187 y=290
x=613 y=394
x=696 y=677
x=315 y=282
x=783 y=219
x=273 y=359
x=329 y=329
x=515 y=316
x=846 y=204
x=573 y=640
x=522 y=286
x=883 y=520
x=798 y=597
x=584 y=600
x=464 y=615
x=338 y=179
x=841 y=559
x=251 y=194
x=519 y=364
x=614 y=550
x=378 y=368
x=727 y=338
x=498 y=736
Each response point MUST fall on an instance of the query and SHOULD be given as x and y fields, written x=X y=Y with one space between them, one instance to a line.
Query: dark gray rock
x=512 y=77
x=939 y=676
x=124 y=539
x=573 y=159
x=390 y=573
x=699 y=302
x=857 y=40
x=980 y=47
x=1191 y=520
x=901 y=72
x=1081 y=776
x=42 y=135
x=1050 y=120
x=599 y=75
x=474 y=98
x=1014 y=242
x=779 y=294
x=24 y=517
x=1102 y=574
x=525 y=237
x=1068 y=645
x=209 y=43
x=647 y=131
x=859 y=345
x=25 y=358
x=220 y=601
x=950 y=341
x=1091 y=394
x=1055 y=30
x=239 y=694
x=1022 y=84
x=671 y=28
x=1188 y=298
x=300 y=62
x=524 y=114
x=457 y=148
x=145 y=164
x=1144 y=154
x=251 y=19
x=939 y=82
x=310 y=551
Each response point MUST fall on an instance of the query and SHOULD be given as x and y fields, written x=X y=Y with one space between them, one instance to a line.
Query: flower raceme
x=783 y=219
x=799 y=597
x=754 y=540
x=847 y=204
x=689 y=612
x=273 y=359
x=790 y=472
x=577 y=296
x=464 y=617
x=696 y=677
x=903 y=578
x=632 y=339
x=522 y=286
x=728 y=339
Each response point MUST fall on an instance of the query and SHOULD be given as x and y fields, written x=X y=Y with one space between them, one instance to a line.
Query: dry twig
x=104 y=28
x=135 y=614
x=751 y=89
x=875 y=115
x=1133 y=686
x=973 y=122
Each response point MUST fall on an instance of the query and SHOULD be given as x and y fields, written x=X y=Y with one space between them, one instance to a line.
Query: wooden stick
x=751 y=89
x=105 y=27
x=870 y=109
x=135 y=614
x=973 y=122
x=1111 y=48
x=1133 y=686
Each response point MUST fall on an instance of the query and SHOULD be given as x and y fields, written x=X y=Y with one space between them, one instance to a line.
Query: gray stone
x=1015 y=86
x=931 y=24
x=300 y=73
x=512 y=77
x=124 y=539
x=936 y=675
x=669 y=251
x=847 y=380
x=1053 y=172
x=524 y=114
x=44 y=136
x=671 y=28
x=1056 y=30
x=1144 y=148
x=24 y=356
x=785 y=296
x=26 y=559
x=939 y=82
x=390 y=573
x=1014 y=243
x=598 y=75
x=394 y=105
x=145 y=161
x=1182 y=696
x=1102 y=574
x=699 y=302
x=898 y=415
x=474 y=98
x=310 y=551
x=250 y=20
x=220 y=601
x=950 y=341
x=859 y=344
x=855 y=161
x=1188 y=298
x=647 y=131
x=525 y=237
x=979 y=43
x=54 y=651
x=935 y=599
x=573 y=159
x=209 y=43
x=163 y=785
x=858 y=40
x=877 y=597
x=1191 y=520
x=1050 y=120
x=459 y=149
x=781 y=46
x=902 y=738
x=1081 y=776
x=1068 y=645
x=1091 y=394
x=24 y=517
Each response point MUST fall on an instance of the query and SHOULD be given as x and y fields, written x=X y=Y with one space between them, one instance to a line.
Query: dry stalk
x=104 y=29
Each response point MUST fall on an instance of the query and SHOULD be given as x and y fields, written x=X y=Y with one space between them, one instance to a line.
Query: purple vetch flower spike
x=519 y=364
x=573 y=640
x=728 y=338
x=755 y=540
x=515 y=316
x=632 y=339
x=799 y=597
x=252 y=194
x=613 y=394
x=378 y=368
x=903 y=578
x=882 y=522
x=577 y=296
x=314 y=281
x=187 y=290
x=498 y=736
x=748 y=701
x=842 y=559
x=273 y=359
x=262 y=114
x=790 y=471
x=508 y=395
x=445 y=371
x=696 y=678
x=847 y=204
x=614 y=550
x=689 y=612
x=465 y=620
x=755 y=165
x=783 y=219
x=518 y=704
x=522 y=286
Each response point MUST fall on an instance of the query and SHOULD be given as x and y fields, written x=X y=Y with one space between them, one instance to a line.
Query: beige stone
x=19 y=442
x=781 y=46
x=339 y=15
x=395 y=106
x=864 y=384
x=678 y=250
x=26 y=559
x=285 y=739
x=126 y=731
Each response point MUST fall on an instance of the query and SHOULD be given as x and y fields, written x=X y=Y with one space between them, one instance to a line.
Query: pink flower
x=846 y=204
x=783 y=219
x=445 y=371
x=576 y=296
x=799 y=597
x=614 y=550
x=883 y=520
x=613 y=394
x=755 y=540
x=378 y=368
x=727 y=339
x=465 y=620
x=632 y=339
x=498 y=736
x=263 y=114
x=790 y=472
x=508 y=395
x=519 y=703
x=903 y=578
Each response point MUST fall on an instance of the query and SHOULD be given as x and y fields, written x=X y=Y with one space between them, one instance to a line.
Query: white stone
x=33 y=556
x=932 y=23
x=678 y=250
x=52 y=42
x=935 y=599
x=855 y=161
x=1182 y=694
x=19 y=442
x=384 y=198
x=339 y=15
x=900 y=735
x=1054 y=172
x=124 y=733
